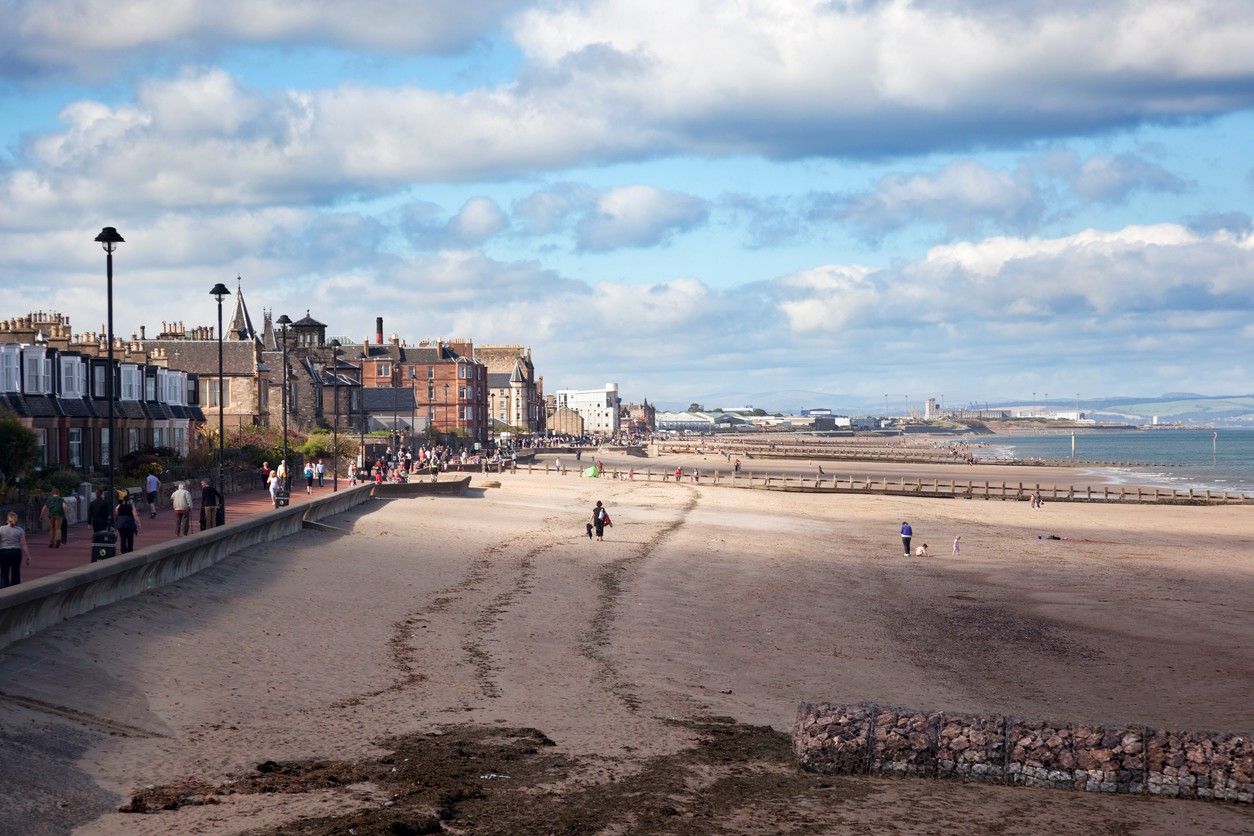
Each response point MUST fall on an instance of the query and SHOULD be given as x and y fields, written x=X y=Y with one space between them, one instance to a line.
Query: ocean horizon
x=1217 y=460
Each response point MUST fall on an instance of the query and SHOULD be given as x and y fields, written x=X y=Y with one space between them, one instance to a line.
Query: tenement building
x=515 y=394
x=56 y=382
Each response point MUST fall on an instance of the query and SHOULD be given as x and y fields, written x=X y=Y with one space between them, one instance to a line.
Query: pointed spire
x=241 y=325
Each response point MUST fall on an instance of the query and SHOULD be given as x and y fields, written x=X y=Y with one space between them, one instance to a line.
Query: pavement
x=76 y=551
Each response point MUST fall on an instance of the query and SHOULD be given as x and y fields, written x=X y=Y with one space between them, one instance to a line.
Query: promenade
x=77 y=550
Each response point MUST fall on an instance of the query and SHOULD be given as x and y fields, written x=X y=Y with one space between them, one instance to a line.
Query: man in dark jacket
x=210 y=505
x=99 y=512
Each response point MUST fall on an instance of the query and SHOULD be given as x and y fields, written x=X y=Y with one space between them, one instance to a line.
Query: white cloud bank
x=608 y=81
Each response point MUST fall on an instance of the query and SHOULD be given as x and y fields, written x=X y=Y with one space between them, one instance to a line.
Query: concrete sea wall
x=993 y=748
x=30 y=607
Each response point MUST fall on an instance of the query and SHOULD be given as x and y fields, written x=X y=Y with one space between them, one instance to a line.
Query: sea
x=1202 y=459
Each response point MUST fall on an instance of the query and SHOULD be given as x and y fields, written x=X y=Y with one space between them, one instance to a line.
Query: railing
x=929 y=488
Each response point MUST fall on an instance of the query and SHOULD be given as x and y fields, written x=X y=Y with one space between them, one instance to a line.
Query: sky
x=776 y=202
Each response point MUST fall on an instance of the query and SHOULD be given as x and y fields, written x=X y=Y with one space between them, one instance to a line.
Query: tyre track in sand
x=595 y=644
x=401 y=646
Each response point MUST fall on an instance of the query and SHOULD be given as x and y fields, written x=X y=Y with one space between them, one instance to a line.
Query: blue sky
x=785 y=202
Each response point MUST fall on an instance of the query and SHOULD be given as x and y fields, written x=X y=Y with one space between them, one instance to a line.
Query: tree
x=696 y=407
x=19 y=448
x=319 y=446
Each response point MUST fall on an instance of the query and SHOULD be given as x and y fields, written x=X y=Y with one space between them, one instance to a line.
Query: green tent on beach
x=592 y=472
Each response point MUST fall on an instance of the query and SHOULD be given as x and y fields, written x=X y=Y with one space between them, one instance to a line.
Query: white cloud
x=88 y=38
x=1110 y=178
x=639 y=216
x=478 y=219
x=606 y=81
x=964 y=196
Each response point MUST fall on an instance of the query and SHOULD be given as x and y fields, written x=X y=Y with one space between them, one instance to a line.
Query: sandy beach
x=478 y=665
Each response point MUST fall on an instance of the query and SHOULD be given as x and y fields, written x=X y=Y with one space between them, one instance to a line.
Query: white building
x=597 y=407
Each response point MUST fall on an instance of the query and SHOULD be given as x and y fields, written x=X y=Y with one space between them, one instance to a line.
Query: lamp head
x=109 y=239
x=284 y=320
x=219 y=292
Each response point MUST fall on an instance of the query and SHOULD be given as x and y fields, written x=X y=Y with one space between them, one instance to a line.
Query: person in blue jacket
x=906 y=534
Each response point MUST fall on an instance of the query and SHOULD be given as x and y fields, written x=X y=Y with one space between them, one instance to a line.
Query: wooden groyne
x=986 y=489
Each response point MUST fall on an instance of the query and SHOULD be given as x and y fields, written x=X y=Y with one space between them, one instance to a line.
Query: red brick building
x=450 y=387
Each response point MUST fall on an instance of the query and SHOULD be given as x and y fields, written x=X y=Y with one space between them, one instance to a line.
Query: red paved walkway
x=77 y=552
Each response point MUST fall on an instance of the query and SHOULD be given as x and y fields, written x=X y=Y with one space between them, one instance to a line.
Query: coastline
x=700 y=603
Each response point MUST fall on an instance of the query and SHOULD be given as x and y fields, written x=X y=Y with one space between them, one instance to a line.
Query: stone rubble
x=993 y=748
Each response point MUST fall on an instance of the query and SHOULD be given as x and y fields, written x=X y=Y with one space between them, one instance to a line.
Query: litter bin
x=282 y=499
x=104 y=544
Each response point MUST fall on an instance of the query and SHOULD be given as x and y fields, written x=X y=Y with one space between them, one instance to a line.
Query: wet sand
x=490 y=615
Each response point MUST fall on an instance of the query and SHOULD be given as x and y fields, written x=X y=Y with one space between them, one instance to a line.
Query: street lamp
x=283 y=322
x=220 y=292
x=335 y=427
x=361 y=380
x=109 y=240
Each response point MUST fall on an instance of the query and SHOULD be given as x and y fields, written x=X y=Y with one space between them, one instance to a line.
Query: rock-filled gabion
x=993 y=748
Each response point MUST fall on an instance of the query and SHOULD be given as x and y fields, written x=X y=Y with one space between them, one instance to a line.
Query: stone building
x=564 y=421
x=56 y=382
x=515 y=393
x=195 y=350
x=639 y=417
x=449 y=388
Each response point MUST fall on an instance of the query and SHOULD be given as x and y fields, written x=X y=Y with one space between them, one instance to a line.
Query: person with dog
x=600 y=519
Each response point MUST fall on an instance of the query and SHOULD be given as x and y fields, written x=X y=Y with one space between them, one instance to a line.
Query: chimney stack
x=378 y=330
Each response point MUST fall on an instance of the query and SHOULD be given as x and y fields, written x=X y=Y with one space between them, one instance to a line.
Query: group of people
x=907 y=534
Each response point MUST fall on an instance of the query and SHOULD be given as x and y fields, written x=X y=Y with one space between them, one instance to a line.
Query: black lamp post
x=283 y=322
x=220 y=292
x=335 y=427
x=361 y=379
x=109 y=239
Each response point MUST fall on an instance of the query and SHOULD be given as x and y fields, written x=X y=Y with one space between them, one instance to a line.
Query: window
x=130 y=383
x=76 y=447
x=383 y=369
x=10 y=368
x=41 y=438
x=132 y=439
x=461 y=371
x=158 y=437
x=150 y=387
x=190 y=392
x=430 y=372
x=104 y=446
x=38 y=372
x=210 y=390
x=73 y=377
x=413 y=372
x=98 y=380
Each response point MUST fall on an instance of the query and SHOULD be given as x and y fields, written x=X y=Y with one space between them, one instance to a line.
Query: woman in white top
x=12 y=547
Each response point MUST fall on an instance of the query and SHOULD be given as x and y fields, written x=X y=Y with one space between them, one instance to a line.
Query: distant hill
x=1174 y=407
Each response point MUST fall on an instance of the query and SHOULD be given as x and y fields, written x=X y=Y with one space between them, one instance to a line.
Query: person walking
x=54 y=513
x=600 y=519
x=210 y=502
x=152 y=485
x=309 y=477
x=273 y=486
x=98 y=512
x=958 y=544
x=126 y=525
x=12 y=547
x=181 y=502
x=906 y=533
x=321 y=471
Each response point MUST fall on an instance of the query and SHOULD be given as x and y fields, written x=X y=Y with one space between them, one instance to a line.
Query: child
x=921 y=551
x=958 y=544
